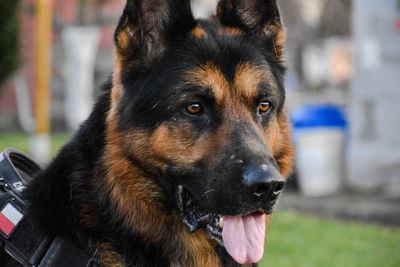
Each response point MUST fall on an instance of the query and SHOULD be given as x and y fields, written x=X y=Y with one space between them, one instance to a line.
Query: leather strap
x=21 y=240
x=63 y=253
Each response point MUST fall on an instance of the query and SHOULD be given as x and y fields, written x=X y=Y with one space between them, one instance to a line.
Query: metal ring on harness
x=17 y=169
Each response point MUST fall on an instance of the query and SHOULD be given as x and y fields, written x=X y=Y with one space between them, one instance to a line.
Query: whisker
x=207 y=192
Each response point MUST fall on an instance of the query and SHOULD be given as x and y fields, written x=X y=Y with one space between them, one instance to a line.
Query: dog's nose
x=262 y=180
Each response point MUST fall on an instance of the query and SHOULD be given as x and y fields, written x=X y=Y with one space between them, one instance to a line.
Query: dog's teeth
x=204 y=218
x=221 y=222
x=276 y=193
x=238 y=161
x=180 y=198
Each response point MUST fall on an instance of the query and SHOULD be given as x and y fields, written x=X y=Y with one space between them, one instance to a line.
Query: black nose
x=263 y=181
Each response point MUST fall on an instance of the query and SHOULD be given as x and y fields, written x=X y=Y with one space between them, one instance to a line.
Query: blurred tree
x=9 y=39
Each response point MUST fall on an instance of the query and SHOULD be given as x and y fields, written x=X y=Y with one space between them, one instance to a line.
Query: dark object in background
x=292 y=183
x=9 y=38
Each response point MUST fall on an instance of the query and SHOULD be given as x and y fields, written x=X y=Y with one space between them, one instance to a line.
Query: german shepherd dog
x=185 y=154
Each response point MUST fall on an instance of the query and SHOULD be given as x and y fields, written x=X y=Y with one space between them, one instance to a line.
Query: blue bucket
x=319 y=132
x=319 y=116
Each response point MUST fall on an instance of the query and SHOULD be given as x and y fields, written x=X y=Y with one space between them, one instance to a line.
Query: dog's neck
x=144 y=216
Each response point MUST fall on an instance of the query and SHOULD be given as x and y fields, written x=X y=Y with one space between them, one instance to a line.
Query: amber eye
x=193 y=109
x=264 y=106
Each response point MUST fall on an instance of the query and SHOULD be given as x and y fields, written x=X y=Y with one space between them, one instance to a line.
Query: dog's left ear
x=258 y=17
x=145 y=26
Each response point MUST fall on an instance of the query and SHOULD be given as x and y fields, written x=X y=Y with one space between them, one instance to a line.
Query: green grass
x=296 y=240
x=303 y=241
x=21 y=141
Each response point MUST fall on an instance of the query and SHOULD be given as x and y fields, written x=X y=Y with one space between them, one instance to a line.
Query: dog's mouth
x=243 y=236
x=196 y=217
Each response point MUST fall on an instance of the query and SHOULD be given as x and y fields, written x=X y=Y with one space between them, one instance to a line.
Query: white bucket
x=319 y=160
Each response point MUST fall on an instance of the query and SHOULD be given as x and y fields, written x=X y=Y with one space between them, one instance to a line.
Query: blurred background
x=341 y=206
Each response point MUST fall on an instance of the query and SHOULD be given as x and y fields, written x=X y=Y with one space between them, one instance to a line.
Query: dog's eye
x=193 y=109
x=264 y=106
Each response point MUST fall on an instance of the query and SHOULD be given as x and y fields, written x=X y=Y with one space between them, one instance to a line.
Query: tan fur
x=198 y=33
x=284 y=152
x=106 y=256
x=219 y=10
x=124 y=38
x=117 y=87
x=248 y=78
x=89 y=218
x=198 y=249
x=230 y=31
x=279 y=141
x=210 y=76
x=129 y=187
x=277 y=36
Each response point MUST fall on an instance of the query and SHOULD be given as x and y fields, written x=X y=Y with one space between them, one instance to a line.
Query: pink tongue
x=244 y=237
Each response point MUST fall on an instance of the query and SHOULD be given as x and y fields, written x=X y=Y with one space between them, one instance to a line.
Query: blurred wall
x=375 y=96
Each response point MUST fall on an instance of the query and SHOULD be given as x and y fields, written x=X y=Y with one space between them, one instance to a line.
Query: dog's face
x=199 y=106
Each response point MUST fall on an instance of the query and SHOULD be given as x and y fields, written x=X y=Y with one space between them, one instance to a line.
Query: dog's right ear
x=257 y=17
x=145 y=26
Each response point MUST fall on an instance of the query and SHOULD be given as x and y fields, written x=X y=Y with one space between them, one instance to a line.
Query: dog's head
x=198 y=105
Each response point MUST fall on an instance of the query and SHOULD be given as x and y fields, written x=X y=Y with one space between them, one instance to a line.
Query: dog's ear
x=258 y=17
x=145 y=26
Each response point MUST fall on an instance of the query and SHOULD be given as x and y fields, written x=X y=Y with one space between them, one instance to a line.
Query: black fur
x=159 y=52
